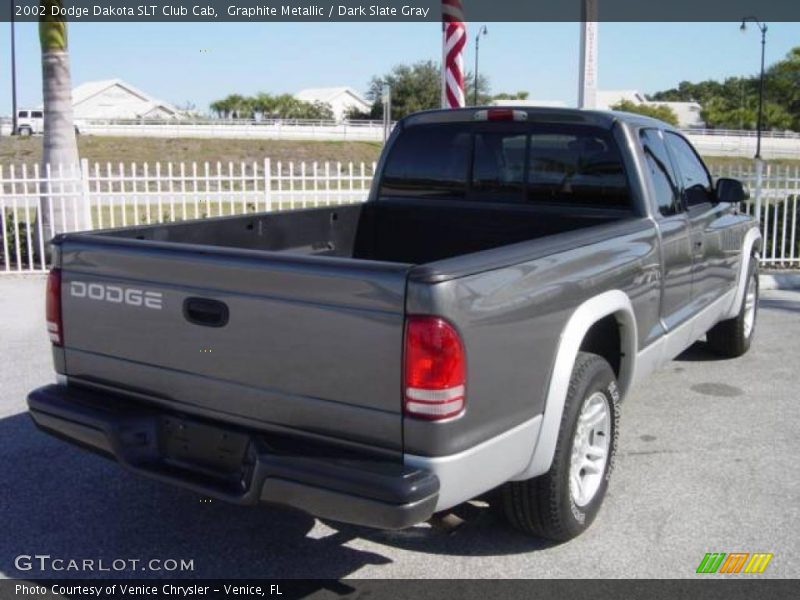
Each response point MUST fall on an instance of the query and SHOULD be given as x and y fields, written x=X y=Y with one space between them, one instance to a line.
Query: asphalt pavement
x=707 y=462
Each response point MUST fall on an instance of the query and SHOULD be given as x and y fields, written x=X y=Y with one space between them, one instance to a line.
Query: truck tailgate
x=310 y=344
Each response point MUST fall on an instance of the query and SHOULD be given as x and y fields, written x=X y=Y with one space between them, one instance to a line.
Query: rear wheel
x=563 y=502
x=732 y=337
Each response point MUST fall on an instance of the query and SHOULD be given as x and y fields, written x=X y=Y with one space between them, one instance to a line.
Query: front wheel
x=732 y=337
x=563 y=502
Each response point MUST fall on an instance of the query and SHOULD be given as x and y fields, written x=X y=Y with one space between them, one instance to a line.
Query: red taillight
x=53 y=310
x=501 y=114
x=435 y=369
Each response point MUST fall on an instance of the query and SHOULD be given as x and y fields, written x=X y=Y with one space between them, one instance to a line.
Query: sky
x=196 y=63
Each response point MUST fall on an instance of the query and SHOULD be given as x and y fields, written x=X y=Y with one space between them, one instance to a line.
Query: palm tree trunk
x=60 y=200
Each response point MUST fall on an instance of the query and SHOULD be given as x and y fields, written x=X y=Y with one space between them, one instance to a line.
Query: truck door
x=709 y=276
x=673 y=222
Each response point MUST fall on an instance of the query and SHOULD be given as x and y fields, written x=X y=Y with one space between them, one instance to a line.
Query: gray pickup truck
x=471 y=328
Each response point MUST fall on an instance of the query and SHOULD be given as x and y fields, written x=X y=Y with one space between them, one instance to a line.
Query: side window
x=23 y=114
x=37 y=114
x=666 y=187
x=694 y=176
x=428 y=162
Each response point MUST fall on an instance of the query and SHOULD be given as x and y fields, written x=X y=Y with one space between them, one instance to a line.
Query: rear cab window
x=533 y=164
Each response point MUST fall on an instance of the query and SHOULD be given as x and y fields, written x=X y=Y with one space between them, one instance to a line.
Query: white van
x=30 y=122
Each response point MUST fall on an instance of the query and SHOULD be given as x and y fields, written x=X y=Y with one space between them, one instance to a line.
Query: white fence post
x=267 y=185
x=86 y=193
x=759 y=186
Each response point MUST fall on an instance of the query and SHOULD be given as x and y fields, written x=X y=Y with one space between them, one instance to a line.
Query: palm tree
x=60 y=147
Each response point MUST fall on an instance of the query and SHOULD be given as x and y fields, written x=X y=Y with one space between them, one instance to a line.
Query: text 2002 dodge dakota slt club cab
x=472 y=326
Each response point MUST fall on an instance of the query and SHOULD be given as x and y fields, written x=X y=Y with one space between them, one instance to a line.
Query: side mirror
x=731 y=191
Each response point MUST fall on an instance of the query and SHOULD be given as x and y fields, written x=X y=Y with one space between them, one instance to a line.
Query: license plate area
x=214 y=451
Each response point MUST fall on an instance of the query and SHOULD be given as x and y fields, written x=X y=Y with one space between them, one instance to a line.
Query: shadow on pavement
x=780 y=304
x=71 y=504
x=699 y=352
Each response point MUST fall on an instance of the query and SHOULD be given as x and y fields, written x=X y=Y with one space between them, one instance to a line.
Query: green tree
x=521 y=95
x=283 y=106
x=354 y=113
x=733 y=103
x=783 y=79
x=418 y=87
x=664 y=113
x=59 y=146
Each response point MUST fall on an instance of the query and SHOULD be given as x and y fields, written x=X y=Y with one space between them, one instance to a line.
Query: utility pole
x=587 y=75
x=13 y=77
x=386 y=96
x=482 y=31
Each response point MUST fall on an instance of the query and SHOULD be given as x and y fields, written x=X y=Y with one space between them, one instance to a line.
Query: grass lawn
x=723 y=161
x=18 y=151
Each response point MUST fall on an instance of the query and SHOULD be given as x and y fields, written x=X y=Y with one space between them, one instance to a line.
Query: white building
x=116 y=99
x=340 y=99
x=688 y=113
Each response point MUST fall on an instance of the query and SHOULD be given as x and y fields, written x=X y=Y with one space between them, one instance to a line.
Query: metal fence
x=120 y=195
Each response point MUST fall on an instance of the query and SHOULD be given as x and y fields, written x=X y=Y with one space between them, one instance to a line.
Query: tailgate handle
x=205 y=312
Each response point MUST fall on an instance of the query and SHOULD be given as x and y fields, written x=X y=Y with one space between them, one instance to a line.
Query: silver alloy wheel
x=750 y=302
x=590 y=448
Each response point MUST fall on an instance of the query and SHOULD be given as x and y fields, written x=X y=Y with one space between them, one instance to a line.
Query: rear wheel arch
x=604 y=338
x=584 y=329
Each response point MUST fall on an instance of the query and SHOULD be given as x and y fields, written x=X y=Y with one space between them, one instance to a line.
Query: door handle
x=206 y=312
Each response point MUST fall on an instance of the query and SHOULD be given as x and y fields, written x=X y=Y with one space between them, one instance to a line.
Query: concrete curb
x=779 y=280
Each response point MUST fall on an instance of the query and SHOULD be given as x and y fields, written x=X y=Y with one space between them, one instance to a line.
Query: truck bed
x=402 y=232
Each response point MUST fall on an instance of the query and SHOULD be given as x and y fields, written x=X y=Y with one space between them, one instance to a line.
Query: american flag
x=454 y=40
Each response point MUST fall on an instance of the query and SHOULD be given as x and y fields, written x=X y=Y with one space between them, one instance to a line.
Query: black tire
x=24 y=132
x=544 y=506
x=732 y=338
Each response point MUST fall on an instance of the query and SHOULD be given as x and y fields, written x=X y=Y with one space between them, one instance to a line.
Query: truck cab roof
x=550 y=115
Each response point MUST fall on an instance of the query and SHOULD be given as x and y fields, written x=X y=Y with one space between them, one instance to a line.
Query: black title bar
x=405 y=10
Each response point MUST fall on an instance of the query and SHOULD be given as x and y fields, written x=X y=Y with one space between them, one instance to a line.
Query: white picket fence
x=121 y=195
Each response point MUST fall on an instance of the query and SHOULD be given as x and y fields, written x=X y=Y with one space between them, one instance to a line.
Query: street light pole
x=763 y=28
x=482 y=31
x=761 y=92
x=759 y=162
x=14 y=123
